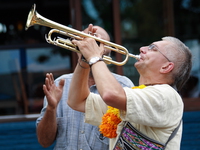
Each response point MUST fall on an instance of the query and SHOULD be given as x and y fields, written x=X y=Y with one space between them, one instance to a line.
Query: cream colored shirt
x=155 y=111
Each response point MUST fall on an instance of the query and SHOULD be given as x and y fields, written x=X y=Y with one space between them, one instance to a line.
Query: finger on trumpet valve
x=95 y=34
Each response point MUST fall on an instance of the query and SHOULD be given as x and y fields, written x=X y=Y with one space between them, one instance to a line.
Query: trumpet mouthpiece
x=135 y=56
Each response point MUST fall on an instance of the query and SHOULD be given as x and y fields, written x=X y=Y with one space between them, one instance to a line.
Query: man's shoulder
x=123 y=80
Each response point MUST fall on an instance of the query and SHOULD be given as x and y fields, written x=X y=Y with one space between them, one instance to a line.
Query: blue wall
x=191 y=131
x=22 y=135
x=19 y=136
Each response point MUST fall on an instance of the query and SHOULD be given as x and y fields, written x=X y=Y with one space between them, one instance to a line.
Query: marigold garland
x=111 y=119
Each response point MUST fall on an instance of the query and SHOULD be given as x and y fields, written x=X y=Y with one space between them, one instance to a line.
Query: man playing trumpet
x=154 y=108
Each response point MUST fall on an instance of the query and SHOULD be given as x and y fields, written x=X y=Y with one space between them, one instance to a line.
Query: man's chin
x=137 y=64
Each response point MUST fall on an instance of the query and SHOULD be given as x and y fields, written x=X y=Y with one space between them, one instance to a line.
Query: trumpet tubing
x=36 y=18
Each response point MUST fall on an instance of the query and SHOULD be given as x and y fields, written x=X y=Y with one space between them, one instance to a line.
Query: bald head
x=104 y=35
x=100 y=31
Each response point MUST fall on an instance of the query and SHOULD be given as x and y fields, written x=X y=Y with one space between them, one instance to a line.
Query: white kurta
x=155 y=111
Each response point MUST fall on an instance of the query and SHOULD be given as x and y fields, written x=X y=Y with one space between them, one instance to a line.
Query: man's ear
x=167 y=67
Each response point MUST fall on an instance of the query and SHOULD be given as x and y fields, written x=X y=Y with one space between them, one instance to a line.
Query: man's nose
x=143 y=49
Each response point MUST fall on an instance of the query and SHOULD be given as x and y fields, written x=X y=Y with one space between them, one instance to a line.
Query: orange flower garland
x=111 y=119
x=109 y=123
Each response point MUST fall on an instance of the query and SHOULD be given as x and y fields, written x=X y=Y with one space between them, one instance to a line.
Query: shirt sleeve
x=95 y=108
x=154 y=106
x=42 y=111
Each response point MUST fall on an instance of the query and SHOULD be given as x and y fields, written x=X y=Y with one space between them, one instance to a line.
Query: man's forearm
x=47 y=128
x=108 y=87
x=79 y=89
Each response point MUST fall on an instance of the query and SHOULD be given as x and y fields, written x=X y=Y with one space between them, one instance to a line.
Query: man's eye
x=151 y=47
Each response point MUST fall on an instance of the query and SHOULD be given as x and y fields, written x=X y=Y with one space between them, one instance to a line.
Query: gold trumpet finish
x=35 y=18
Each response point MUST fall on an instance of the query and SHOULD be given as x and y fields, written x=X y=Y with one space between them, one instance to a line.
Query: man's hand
x=52 y=92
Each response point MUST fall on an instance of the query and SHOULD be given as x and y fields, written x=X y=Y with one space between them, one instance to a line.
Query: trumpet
x=35 y=18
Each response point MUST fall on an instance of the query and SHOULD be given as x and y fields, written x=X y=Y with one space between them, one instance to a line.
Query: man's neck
x=151 y=81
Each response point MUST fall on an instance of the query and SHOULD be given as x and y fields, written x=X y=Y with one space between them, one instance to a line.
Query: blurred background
x=26 y=56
